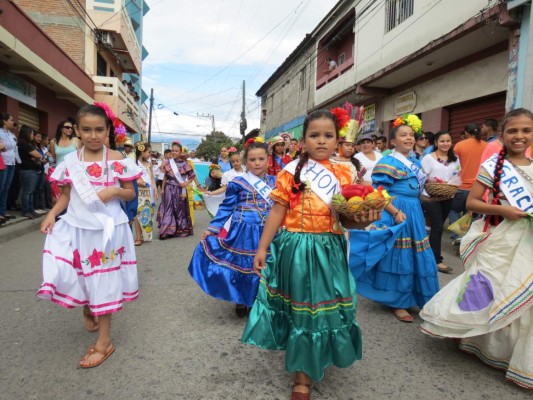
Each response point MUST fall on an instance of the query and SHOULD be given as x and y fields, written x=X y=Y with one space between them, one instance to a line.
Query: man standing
x=381 y=143
x=489 y=129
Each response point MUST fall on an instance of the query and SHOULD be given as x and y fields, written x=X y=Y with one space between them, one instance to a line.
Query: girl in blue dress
x=407 y=275
x=223 y=267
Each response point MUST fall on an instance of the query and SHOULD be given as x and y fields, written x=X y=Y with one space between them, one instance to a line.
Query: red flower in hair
x=249 y=142
x=341 y=115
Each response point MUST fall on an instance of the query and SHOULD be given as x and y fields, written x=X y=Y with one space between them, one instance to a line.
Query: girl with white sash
x=89 y=257
x=306 y=300
x=490 y=306
x=173 y=216
x=148 y=195
x=406 y=276
x=223 y=267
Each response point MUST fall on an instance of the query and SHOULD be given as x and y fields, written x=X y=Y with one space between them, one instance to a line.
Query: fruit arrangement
x=356 y=199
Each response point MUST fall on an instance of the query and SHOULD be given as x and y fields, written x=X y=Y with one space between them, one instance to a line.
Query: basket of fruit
x=356 y=199
x=437 y=188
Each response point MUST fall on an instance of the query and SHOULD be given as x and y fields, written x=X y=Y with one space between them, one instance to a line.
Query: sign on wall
x=405 y=103
x=18 y=89
x=370 y=119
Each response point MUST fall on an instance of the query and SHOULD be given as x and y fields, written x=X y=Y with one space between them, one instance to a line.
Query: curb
x=19 y=227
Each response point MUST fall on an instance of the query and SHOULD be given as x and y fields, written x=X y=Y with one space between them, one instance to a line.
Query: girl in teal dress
x=306 y=299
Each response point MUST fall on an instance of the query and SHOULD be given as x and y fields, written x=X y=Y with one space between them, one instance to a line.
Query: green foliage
x=210 y=147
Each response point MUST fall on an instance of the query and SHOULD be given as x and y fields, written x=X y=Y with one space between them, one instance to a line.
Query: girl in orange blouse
x=306 y=299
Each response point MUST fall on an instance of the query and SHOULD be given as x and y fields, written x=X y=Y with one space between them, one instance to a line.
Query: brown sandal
x=300 y=395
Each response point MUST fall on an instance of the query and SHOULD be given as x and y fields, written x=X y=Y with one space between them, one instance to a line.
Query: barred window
x=303 y=78
x=397 y=11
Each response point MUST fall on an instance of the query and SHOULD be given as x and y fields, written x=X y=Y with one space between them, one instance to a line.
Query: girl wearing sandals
x=223 y=266
x=490 y=306
x=89 y=256
x=306 y=300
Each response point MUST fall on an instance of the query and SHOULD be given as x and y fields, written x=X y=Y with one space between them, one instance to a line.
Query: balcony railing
x=112 y=92
x=334 y=74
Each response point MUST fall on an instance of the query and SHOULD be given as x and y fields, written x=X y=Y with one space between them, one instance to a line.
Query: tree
x=210 y=147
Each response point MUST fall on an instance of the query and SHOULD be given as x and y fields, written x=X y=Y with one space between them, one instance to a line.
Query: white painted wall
x=431 y=19
x=478 y=79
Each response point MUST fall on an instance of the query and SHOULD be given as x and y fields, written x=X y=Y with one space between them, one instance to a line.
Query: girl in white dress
x=89 y=257
x=490 y=306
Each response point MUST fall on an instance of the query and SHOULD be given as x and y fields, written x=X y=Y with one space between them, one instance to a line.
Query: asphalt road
x=177 y=343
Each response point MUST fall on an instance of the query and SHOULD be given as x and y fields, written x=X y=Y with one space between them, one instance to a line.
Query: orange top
x=310 y=214
x=469 y=152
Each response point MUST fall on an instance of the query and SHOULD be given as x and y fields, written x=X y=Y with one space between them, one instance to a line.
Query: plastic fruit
x=338 y=199
x=355 y=199
x=356 y=204
x=355 y=190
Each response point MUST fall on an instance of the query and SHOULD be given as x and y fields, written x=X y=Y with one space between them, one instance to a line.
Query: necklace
x=524 y=174
x=94 y=170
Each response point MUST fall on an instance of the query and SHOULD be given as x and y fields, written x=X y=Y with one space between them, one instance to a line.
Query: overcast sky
x=201 y=51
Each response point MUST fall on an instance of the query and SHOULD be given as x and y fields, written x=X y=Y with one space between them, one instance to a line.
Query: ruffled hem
x=310 y=352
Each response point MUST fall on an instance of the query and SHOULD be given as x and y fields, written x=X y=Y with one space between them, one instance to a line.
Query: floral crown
x=232 y=151
x=410 y=120
x=214 y=166
x=257 y=139
x=120 y=129
x=350 y=121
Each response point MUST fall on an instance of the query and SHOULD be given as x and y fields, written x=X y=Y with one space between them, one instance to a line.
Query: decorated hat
x=350 y=120
x=275 y=140
x=127 y=142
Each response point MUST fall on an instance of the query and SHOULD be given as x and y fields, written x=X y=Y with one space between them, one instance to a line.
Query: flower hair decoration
x=214 y=166
x=410 y=120
x=232 y=150
x=257 y=139
x=141 y=146
x=120 y=129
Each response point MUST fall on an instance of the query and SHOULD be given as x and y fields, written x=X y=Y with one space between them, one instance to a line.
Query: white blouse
x=368 y=164
x=435 y=169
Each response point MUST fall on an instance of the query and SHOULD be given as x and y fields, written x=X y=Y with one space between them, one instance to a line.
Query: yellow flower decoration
x=410 y=120
x=259 y=139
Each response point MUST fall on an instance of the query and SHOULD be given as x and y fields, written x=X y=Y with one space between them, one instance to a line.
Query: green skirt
x=306 y=304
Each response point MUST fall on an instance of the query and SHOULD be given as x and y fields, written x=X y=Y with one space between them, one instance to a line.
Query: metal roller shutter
x=475 y=111
x=29 y=116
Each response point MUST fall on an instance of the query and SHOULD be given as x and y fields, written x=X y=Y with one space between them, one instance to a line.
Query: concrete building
x=103 y=38
x=40 y=84
x=449 y=61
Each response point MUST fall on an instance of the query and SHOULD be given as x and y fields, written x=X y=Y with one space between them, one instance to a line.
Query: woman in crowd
x=421 y=144
x=8 y=142
x=29 y=168
x=173 y=217
x=277 y=160
x=367 y=156
x=490 y=306
x=469 y=152
x=407 y=275
x=442 y=166
x=64 y=142
x=144 y=221
x=39 y=203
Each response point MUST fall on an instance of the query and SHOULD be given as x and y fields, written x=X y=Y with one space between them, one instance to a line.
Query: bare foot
x=89 y=321
x=96 y=355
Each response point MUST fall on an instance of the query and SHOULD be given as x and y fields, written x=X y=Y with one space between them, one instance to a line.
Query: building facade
x=451 y=62
x=103 y=38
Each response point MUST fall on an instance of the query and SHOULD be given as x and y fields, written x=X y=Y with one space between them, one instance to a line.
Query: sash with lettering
x=260 y=186
x=89 y=196
x=323 y=182
x=175 y=170
x=512 y=185
x=415 y=169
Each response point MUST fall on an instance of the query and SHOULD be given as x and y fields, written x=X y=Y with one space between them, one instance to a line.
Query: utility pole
x=243 y=124
x=150 y=116
x=211 y=117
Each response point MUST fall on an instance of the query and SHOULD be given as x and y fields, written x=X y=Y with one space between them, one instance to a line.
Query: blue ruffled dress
x=223 y=268
x=407 y=275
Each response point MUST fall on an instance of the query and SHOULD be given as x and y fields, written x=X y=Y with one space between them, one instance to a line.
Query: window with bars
x=303 y=78
x=397 y=11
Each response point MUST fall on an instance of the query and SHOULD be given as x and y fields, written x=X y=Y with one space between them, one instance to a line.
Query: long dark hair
x=304 y=157
x=24 y=135
x=452 y=157
x=473 y=130
x=91 y=109
x=5 y=116
x=59 y=130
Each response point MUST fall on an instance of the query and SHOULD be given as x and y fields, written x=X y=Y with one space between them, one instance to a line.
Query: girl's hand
x=107 y=194
x=364 y=219
x=48 y=224
x=400 y=217
x=156 y=195
x=259 y=261
x=512 y=213
x=206 y=234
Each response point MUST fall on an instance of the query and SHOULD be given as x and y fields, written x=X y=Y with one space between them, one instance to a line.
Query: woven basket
x=442 y=190
x=359 y=207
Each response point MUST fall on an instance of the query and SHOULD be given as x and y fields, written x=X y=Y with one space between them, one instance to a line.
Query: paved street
x=177 y=343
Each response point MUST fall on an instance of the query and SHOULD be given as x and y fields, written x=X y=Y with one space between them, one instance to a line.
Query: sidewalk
x=19 y=226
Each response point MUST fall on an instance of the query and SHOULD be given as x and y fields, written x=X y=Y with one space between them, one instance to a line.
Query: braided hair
x=496 y=219
x=304 y=157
